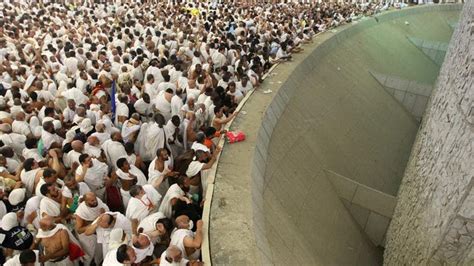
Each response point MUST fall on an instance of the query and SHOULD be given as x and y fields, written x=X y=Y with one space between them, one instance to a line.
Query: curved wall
x=315 y=183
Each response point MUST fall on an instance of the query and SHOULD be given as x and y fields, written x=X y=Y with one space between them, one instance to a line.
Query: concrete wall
x=434 y=218
x=328 y=129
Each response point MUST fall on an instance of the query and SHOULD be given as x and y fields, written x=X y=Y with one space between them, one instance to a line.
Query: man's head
x=46 y=223
x=30 y=164
x=210 y=132
x=70 y=182
x=141 y=241
x=91 y=200
x=20 y=116
x=173 y=255
x=106 y=66
x=49 y=190
x=48 y=126
x=190 y=101
x=71 y=104
x=126 y=254
x=146 y=98
x=123 y=164
x=27 y=257
x=175 y=120
x=49 y=111
x=137 y=191
x=200 y=137
x=49 y=175
x=202 y=156
x=117 y=136
x=100 y=127
x=218 y=111
x=93 y=141
x=106 y=220
x=85 y=159
x=160 y=119
x=183 y=222
x=164 y=226
x=162 y=154
x=77 y=146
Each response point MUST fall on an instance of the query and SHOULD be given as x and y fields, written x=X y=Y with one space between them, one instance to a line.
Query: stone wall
x=433 y=221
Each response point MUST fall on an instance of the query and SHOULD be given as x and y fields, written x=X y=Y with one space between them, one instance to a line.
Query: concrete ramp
x=315 y=181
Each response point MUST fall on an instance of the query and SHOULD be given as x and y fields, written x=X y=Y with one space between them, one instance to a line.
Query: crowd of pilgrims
x=110 y=115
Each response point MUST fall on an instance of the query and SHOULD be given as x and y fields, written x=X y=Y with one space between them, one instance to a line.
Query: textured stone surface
x=432 y=223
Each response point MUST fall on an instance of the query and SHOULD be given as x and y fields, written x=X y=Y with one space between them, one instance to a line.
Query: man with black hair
x=50 y=204
x=31 y=150
x=28 y=174
x=48 y=176
x=220 y=119
x=129 y=175
x=166 y=84
x=158 y=227
x=123 y=255
x=49 y=136
x=93 y=172
x=143 y=106
x=25 y=258
x=114 y=149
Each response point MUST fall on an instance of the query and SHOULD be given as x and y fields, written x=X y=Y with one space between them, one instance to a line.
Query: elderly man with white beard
x=89 y=209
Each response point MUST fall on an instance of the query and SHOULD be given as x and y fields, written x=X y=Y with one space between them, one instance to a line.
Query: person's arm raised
x=80 y=178
x=213 y=159
x=90 y=229
x=224 y=121
x=196 y=241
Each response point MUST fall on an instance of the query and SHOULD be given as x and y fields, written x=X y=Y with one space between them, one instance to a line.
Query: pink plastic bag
x=235 y=136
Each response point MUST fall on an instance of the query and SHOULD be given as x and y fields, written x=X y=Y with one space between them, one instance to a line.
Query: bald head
x=141 y=241
x=77 y=146
x=93 y=140
x=182 y=222
x=20 y=116
x=46 y=223
x=100 y=127
x=116 y=136
x=173 y=254
x=91 y=200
